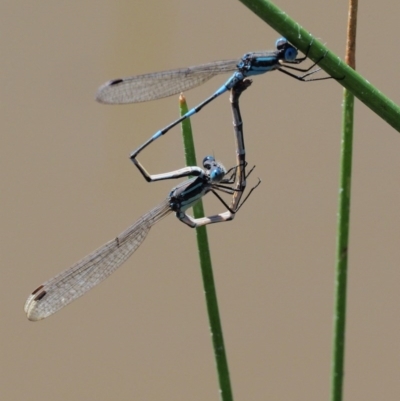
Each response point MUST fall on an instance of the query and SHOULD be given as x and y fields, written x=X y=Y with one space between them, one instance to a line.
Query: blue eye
x=280 y=43
x=207 y=161
x=216 y=174
x=290 y=53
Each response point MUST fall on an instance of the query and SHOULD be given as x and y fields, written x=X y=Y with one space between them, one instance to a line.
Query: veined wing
x=157 y=85
x=73 y=282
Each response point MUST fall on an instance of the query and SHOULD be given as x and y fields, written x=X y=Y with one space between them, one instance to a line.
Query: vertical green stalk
x=206 y=269
x=342 y=246
x=343 y=227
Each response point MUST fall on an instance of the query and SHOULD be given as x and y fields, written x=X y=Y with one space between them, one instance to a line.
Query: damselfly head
x=215 y=170
x=286 y=50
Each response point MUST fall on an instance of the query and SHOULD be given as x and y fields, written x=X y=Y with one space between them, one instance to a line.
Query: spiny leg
x=309 y=71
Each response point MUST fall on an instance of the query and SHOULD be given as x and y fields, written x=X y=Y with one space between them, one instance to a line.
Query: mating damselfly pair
x=75 y=281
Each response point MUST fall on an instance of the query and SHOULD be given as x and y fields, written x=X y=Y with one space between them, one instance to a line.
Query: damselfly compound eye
x=208 y=161
x=281 y=43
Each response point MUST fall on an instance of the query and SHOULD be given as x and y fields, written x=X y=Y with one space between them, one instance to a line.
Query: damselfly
x=141 y=88
x=67 y=286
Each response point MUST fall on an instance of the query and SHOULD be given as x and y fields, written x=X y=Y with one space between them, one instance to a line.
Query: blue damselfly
x=70 y=284
x=157 y=85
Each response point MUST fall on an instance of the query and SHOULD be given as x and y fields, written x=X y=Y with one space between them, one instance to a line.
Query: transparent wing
x=142 y=88
x=70 y=284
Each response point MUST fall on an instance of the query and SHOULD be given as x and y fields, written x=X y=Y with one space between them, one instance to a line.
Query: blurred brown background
x=68 y=186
